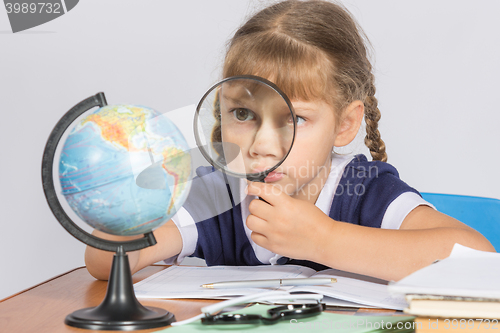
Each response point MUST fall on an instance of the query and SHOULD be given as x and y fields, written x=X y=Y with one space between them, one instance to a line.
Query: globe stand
x=120 y=309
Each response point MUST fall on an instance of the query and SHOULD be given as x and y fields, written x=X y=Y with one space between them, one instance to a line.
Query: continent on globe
x=125 y=170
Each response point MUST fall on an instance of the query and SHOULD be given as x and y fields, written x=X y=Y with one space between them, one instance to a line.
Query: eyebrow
x=303 y=109
x=234 y=100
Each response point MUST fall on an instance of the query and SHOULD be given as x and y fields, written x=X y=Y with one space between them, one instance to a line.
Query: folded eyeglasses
x=210 y=314
x=275 y=314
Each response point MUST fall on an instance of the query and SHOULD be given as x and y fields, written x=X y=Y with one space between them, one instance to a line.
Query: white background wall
x=437 y=66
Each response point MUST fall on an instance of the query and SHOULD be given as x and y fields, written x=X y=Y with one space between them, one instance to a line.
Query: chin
x=285 y=186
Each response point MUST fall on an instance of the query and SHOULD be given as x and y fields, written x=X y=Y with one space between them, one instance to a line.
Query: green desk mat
x=324 y=322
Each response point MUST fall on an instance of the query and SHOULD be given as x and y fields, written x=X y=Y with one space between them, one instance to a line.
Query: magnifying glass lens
x=245 y=126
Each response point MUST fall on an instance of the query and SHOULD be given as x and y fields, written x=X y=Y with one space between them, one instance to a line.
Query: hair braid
x=372 y=139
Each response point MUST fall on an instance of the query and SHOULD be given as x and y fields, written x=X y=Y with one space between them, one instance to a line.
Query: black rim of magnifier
x=50 y=193
x=250 y=176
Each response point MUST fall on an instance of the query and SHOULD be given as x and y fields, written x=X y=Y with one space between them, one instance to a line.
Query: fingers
x=256 y=224
x=266 y=217
x=270 y=193
x=260 y=239
x=261 y=209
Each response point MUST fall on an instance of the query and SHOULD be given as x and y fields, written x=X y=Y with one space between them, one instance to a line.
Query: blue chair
x=482 y=214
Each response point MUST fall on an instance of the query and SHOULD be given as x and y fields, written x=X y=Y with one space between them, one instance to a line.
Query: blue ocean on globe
x=125 y=170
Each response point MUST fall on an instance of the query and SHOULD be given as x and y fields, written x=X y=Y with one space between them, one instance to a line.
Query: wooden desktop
x=43 y=307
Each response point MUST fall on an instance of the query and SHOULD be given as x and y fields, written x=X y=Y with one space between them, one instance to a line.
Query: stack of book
x=464 y=285
x=453 y=306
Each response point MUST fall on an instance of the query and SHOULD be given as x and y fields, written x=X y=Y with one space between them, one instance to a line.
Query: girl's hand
x=284 y=225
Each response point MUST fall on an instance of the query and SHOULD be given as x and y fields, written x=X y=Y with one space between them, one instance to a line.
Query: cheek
x=308 y=155
x=303 y=160
x=315 y=144
x=229 y=135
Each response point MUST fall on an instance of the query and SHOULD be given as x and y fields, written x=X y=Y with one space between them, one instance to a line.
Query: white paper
x=357 y=291
x=185 y=282
x=466 y=272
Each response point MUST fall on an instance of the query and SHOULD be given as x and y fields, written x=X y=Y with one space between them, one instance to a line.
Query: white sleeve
x=400 y=207
x=189 y=234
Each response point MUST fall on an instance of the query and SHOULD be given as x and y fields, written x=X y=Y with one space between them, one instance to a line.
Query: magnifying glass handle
x=262 y=181
x=259 y=179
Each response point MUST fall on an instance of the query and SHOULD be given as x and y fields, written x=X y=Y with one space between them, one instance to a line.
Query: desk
x=42 y=308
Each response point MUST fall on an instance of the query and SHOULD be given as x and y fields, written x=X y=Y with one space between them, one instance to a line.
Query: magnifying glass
x=245 y=127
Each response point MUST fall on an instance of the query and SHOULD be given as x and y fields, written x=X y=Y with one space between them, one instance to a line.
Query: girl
x=337 y=211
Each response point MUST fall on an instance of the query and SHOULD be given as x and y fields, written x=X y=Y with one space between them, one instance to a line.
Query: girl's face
x=262 y=128
x=305 y=170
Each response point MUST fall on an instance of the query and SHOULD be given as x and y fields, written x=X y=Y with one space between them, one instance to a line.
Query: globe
x=124 y=169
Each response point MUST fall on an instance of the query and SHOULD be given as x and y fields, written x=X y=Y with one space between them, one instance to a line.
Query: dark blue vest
x=364 y=192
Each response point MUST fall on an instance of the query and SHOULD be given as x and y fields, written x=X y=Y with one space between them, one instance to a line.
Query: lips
x=273 y=177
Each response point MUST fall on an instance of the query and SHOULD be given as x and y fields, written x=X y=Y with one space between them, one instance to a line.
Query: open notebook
x=185 y=282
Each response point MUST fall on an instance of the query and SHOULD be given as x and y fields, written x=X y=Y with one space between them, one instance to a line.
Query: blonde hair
x=311 y=50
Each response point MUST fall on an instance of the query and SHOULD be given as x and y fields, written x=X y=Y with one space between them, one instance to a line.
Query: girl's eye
x=300 y=121
x=243 y=114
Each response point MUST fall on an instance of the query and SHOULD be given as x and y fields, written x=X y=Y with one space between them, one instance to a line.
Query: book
x=452 y=306
x=349 y=290
x=463 y=285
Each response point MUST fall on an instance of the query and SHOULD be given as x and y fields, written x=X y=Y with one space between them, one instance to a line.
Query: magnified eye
x=243 y=114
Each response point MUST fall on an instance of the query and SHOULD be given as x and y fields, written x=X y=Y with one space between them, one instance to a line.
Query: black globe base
x=97 y=320
x=120 y=309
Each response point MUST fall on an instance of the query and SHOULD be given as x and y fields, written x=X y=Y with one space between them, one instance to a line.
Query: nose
x=267 y=143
